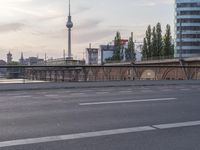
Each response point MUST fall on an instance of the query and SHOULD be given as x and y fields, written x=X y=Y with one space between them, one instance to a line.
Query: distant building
x=92 y=56
x=2 y=70
x=2 y=63
x=33 y=61
x=187 y=28
x=64 y=62
x=21 y=60
x=105 y=52
x=9 y=58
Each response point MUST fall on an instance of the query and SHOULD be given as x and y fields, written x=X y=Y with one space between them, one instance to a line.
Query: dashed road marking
x=22 y=96
x=177 y=125
x=125 y=91
x=102 y=92
x=185 y=89
x=127 y=101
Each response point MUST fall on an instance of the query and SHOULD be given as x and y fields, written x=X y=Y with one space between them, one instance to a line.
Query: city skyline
x=36 y=27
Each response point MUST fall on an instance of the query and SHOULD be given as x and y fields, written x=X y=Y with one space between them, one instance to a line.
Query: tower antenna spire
x=69 y=25
x=69 y=8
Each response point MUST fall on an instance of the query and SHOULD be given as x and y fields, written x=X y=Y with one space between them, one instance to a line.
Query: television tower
x=69 y=25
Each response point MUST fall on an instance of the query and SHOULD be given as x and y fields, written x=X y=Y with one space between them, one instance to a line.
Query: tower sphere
x=69 y=24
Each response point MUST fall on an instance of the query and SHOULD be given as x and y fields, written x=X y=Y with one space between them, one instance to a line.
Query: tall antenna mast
x=69 y=8
x=69 y=25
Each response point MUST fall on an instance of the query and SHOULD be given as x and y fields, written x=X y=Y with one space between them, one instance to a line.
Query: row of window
x=193 y=36
x=188 y=51
x=188 y=13
x=181 y=5
x=190 y=28
x=189 y=20
x=188 y=43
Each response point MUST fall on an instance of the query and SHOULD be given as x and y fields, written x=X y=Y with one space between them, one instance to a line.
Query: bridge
x=169 y=69
x=102 y=115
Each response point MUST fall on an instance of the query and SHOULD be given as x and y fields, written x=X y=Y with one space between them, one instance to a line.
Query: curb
x=54 y=86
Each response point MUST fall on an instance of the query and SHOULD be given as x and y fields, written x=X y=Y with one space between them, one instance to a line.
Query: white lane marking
x=146 y=91
x=22 y=96
x=74 y=136
x=185 y=89
x=166 y=90
x=96 y=134
x=77 y=94
x=125 y=91
x=177 y=125
x=127 y=101
x=52 y=95
x=102 y=92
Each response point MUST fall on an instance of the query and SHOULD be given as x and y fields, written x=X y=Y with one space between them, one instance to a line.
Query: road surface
x=111 y=118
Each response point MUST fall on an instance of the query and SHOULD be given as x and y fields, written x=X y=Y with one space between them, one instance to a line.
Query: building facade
x=9 y=58
x=105 y=52
x=187 y=32
x=92 y=56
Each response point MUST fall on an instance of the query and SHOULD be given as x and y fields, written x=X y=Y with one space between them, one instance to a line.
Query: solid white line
x=74 y=136
x=177 y=125
x=96 y=134
x=127 y=101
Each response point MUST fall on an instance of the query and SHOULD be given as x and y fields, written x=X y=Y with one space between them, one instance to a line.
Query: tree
x=130 y=51
x=168 y=48
x=159 y=40
x=148 y=40
x=144 y=49
x=117 y=47
x=154 y=43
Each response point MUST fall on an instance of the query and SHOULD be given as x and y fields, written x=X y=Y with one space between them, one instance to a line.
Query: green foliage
x=149 y=40
x=159 y=40
x=144 y=49
x=117 y=47
x=168 y=48
x=155 y=45
x=130 y=51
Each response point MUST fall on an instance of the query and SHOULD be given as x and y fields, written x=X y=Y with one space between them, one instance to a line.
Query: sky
x=38 y=26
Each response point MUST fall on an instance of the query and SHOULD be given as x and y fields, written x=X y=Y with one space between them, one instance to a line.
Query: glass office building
x=187 y=28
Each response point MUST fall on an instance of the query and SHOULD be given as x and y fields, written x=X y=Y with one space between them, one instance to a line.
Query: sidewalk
x=70 y=85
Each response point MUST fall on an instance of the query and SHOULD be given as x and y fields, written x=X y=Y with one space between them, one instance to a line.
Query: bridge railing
x=88 y=73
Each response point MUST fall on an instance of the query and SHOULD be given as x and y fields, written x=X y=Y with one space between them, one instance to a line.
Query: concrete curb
x=79 y=85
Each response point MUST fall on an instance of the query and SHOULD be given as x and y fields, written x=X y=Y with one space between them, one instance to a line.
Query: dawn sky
x=38 y=26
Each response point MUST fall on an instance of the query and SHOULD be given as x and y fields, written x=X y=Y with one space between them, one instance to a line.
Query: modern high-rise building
x=187 y=30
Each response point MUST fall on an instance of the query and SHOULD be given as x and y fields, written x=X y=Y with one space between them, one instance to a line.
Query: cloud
x=10 y=27
x=42 y=22
x=89 y=24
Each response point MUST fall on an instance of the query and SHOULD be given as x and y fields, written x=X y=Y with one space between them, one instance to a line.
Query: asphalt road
x=123 y=118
